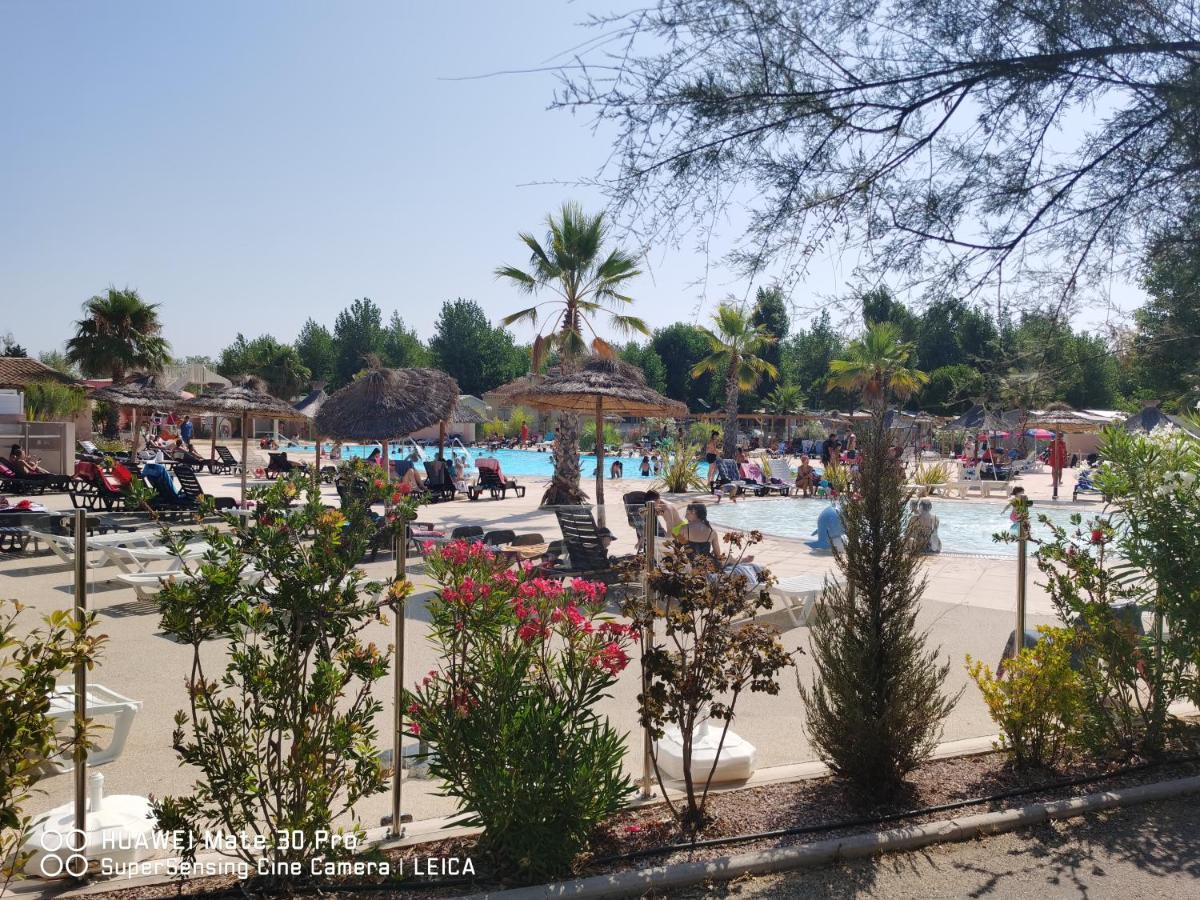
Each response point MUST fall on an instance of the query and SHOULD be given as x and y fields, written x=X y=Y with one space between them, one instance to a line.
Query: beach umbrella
x=1039 y=434
x=381 y=405
x=600 y=386
x=137 y=394
x=309 y=407
x=242 y=401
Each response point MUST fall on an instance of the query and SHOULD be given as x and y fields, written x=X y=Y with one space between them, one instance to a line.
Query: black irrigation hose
x=891 y=817
x=367 y=887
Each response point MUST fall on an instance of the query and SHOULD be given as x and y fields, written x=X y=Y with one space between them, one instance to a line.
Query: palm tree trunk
x=731 y=411
x=564 y=487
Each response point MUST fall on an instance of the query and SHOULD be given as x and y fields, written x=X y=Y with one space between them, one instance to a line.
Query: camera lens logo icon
x=63 y=854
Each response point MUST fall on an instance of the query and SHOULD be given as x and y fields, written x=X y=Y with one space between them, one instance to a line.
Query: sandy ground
x=968 y=609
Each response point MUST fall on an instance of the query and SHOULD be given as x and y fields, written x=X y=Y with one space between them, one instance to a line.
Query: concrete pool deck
x=968 y=608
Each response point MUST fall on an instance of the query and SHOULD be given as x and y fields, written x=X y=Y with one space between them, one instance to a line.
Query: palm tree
x=734 y=346
x=118 y=333
x=783 y=402
x=877 y=365
x=584 y=282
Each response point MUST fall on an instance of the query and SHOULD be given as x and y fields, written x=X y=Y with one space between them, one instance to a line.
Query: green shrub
x=517 y=418
x=1038 y=703
x=30 y=665
x=681 y=472
x=494 y=430
x=283 y=735
x=587 y=440
x=49 y=401
x=510 y=712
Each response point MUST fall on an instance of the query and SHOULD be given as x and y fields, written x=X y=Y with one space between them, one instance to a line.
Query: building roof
x=18 y=371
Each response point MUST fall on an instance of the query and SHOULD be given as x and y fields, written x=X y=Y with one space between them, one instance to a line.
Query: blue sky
x=248 y=165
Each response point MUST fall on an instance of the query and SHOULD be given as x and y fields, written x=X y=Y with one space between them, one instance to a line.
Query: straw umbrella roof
x=505 y=392
x=978 y=419
x=618 y=386
x=139 y=393
x=385 y=404
x=311 y=405
x=467 y=415
x=248 y=398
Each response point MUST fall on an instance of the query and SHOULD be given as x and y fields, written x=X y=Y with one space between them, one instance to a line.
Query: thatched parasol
x=135 y=394
x=243 y=401
x=600 y=386
x=977 y=418
x=385 y=404
x=311 y=404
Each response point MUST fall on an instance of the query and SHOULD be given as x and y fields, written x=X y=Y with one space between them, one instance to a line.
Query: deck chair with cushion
x=279 y=464
x=93 y=488
x=190 y=485
x=13 y=483
x=438 y=481
x=466 y=532
x=1084 y=486
x=492 y=480
x=729 y=478
x=499 y=538
x=752 y=474
x=780 y=472
x=167 y=495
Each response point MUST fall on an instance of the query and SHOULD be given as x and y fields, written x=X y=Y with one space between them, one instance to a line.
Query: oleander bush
x=510 y=712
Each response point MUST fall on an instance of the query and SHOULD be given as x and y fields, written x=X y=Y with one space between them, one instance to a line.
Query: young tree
x=734 y=350
x=877 y=365
x=57 y=360
x=466 y=346
x=401 y=346
x=649 y=362
x=358 y=334
x=876 y=705
x=771 y=312
x=585 y=281
x=859 y=124
x=806 y=356
x=1168 y=325
x=119 y=333
x=317 y=350
x=276 y=364
x=680 y=347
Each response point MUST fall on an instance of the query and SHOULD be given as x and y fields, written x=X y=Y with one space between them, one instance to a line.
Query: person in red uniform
x=1058 y=461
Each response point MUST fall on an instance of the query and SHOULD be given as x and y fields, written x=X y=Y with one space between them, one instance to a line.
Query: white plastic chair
x=799 y=595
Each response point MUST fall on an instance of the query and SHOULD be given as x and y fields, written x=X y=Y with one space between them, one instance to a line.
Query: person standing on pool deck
x=1058 y=460
x=827 y=448
x=710 y=449
x=185 y=433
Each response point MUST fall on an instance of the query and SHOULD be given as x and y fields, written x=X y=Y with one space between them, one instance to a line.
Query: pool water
x=965 y=527
x=529 y=463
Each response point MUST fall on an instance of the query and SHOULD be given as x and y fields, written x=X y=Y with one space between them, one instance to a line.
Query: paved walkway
x=968 y=609
x=1144 y=851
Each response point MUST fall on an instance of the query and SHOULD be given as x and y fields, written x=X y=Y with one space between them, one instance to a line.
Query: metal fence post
x=650 y=532
x=1022 y=549
x=81 y=749
x=401 y=554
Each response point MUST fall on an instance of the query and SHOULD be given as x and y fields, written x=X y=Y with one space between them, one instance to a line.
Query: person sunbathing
x=26 y=466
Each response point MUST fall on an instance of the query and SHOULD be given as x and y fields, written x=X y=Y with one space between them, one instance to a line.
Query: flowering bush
x=1038 y=703
x=511 y=711
x=1104 y=574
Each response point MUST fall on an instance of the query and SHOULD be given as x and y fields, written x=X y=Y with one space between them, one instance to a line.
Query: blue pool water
x=965 y=527
x=529 y=463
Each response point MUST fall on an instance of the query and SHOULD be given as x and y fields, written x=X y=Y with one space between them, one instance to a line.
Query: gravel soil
x=642 y=836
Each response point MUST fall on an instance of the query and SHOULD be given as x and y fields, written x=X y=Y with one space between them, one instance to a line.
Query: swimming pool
x=529 y=463
x=965 y=527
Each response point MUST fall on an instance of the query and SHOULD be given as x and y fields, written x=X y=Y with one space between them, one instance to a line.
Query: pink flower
x=427 y=547
x=612 y=659
x=531 y=631
x=414 y=729
x=413 y=709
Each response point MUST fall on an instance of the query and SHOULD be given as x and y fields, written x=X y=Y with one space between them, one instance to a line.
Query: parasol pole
x=133 y=437
x=212 y=449
x=245 y=463
x=442 y=439
x=600 y=461
x=317 y=463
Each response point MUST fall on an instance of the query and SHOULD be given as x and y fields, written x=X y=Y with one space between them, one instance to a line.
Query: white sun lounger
x=799 y=595
x=147 y=584
x=63 y=545
x=100 y=702
x=133 y=560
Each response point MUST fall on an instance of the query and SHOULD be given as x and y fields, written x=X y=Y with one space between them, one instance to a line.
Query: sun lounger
x=780 y=472
x=101 y=702
x=279 y=464
x=439 y=482
x=93 y=488
x=728 y=476
x=190 y=486
x=147 y=584
x=799 y=596
x=753 y=476
x=63 y=545
x=584 y=547
x=1084 y=486
x=492 y=480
